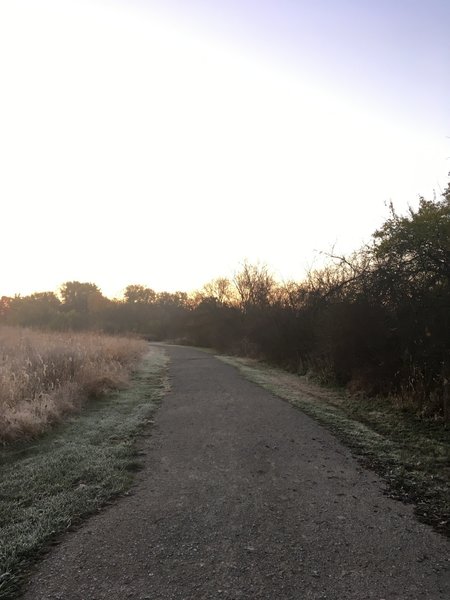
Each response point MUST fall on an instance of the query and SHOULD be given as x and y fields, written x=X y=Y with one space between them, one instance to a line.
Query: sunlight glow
x=133 y=151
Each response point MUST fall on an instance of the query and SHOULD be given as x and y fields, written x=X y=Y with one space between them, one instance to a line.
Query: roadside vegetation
x=375 y=325
x=45 y=376
x=376 y=322
x=411 y=454
x=48 y=484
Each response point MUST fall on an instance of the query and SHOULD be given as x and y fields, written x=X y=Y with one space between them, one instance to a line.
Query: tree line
x=377 y=321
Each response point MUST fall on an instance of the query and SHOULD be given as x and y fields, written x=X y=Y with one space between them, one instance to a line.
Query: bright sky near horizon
x=163 y=142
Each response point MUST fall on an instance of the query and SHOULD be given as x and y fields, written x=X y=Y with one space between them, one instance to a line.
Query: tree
x=416 y=247
x=139 y=294
x=220 y=289
x=254 y=286
x=76 y=295
x=40 y=309
x=83 y=305
x=412 y=276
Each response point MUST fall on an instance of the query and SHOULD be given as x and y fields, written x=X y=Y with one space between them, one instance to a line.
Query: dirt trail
x=243 y=497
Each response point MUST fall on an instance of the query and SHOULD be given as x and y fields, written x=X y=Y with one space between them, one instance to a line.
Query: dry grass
x=49 y=484
x=44 y=376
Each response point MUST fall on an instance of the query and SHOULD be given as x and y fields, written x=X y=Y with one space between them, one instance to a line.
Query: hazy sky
x=162 y=142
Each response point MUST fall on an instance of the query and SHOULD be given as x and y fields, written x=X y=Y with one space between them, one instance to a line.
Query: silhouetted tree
x=82 y=304
x=36 y=310
x=139 y=294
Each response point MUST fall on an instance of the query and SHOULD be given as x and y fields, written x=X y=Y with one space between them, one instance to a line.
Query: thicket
x=377 y=321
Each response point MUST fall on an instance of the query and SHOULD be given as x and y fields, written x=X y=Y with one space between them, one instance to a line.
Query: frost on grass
x=51 y=483
x=410 y=454
x=44 y=376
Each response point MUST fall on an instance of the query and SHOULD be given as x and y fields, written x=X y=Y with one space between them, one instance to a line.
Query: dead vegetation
x=44 y=376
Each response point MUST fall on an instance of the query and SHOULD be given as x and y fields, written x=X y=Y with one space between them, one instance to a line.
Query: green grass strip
x=412 y=455
x=50 y=484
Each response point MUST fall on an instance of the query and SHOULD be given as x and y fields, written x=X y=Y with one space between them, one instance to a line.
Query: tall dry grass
x=44 y=376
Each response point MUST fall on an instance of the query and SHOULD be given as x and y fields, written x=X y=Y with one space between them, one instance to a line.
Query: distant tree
x=76 y=295
x=173 y=299
x=48 y=299
x=36 y=310
x=221 y=289
x=139 y=294
x=83 y=305
x=254 y=285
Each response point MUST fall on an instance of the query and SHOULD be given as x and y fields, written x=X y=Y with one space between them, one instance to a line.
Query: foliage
x=377 y=321
x=139 y=294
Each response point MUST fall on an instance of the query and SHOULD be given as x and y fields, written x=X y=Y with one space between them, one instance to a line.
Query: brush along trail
x=242 y=496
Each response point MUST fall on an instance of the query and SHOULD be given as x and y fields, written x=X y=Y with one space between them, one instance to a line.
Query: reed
x=45 y=376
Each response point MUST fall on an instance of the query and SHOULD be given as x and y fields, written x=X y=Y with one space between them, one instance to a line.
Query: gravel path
x=242 y=497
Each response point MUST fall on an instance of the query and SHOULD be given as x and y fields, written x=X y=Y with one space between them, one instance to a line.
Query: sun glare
x=134 y=149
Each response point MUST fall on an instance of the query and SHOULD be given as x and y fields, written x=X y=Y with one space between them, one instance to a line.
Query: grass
x=45 y=376
x=412 y=455
x=49 y=484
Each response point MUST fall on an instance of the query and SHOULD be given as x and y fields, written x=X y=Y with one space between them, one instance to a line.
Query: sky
x=165 y=142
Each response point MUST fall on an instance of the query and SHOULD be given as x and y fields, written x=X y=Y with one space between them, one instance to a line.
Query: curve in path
x=241 y=497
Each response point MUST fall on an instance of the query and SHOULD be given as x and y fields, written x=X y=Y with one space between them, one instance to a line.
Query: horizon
x=164 y=143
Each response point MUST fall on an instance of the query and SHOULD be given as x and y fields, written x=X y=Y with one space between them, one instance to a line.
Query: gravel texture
x=242 y=496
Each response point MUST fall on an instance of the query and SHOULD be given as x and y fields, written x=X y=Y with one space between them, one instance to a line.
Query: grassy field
x=46 y=376
x=48 y=484
x=411 y=454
